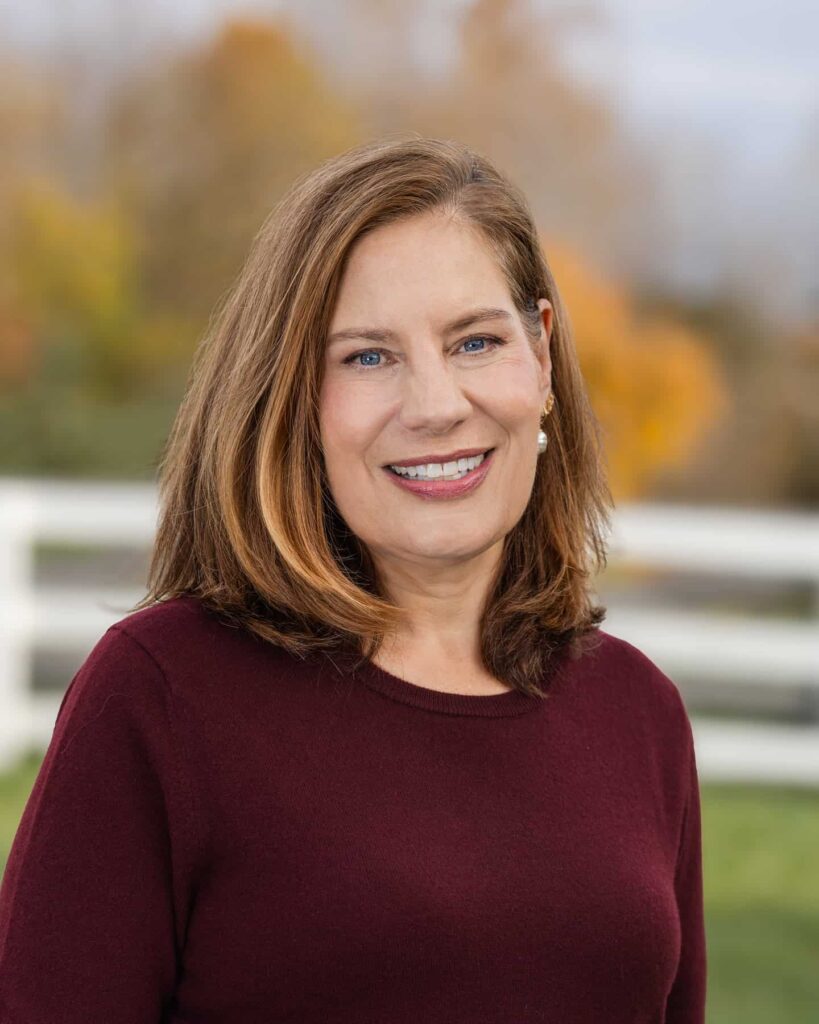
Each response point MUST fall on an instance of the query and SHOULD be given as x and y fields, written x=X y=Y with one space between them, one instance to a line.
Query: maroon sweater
x=222 y=833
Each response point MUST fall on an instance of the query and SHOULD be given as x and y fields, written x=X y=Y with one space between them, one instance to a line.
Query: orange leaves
x=653 y=382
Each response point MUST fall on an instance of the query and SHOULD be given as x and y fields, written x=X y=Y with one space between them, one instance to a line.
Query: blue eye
x=353 y=359
x=369 y=352
x=484 y=337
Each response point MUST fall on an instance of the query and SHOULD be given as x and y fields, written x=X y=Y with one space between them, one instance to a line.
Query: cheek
x=513 y=387
x=338 y=419
x=347 y=430
x=515 y=403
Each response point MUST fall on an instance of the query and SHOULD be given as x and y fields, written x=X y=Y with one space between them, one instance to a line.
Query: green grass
x=761 y=873
x=15 y=787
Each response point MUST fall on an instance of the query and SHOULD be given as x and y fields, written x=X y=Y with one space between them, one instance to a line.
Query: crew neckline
x=491 y=705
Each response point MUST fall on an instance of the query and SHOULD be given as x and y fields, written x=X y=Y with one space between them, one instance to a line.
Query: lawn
x=761 y=871
x=761 y=874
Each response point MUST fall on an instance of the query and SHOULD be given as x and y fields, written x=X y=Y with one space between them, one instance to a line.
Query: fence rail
x=742 y=544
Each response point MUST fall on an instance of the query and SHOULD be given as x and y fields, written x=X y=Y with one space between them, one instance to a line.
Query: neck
x=442 y=604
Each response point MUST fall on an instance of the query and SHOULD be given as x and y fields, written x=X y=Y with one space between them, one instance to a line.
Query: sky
x=732 y=84
x=744 y=71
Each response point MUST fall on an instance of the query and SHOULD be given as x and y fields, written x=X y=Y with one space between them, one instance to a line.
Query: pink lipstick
x=437 y=488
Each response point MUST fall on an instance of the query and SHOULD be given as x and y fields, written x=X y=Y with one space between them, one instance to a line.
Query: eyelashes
x=351 y=359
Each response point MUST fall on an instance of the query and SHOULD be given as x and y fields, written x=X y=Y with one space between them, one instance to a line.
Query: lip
x=423 y=460
x=443 y=489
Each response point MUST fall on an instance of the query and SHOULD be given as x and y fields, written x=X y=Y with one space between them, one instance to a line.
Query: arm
x=686 y=1000
x=96 y=891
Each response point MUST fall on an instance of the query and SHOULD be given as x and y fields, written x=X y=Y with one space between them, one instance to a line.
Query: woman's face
x=405 y=382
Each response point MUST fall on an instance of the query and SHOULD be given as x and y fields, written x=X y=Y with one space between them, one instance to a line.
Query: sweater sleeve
x=686 y=1000
x=96 y=892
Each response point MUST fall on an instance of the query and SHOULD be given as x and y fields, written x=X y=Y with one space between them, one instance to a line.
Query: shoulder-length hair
x=247 y=522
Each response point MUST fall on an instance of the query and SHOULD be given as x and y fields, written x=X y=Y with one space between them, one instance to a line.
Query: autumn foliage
x=108 y=288
x=654 y=384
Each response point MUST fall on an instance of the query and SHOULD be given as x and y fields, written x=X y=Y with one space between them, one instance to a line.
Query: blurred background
x=670 y=152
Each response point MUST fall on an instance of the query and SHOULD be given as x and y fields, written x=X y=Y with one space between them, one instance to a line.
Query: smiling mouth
x=436 y=470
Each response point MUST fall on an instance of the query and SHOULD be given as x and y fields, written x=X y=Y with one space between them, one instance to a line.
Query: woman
x=363 y=753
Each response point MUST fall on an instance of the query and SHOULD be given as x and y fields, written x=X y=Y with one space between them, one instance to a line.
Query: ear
x=544 y=358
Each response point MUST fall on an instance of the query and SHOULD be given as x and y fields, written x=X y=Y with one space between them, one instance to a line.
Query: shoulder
x=177 y=632
x=118 y=685
x=638 y=708
x=634 y=681
x=171 y=619
x=148 y=659
x=134 y=647
x=144 y=654
x=201 y=653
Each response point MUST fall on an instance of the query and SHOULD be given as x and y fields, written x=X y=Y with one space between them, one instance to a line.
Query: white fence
x=781 y=547
x=775 y=546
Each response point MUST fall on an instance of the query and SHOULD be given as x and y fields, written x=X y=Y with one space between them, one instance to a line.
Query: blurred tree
x=654 y=383
x=102 y=298
x=764 y=452
x=801 y=409
x=201 y=150
x=509 y=92
x=32 y=114
x=74 y=295
x=88 y=377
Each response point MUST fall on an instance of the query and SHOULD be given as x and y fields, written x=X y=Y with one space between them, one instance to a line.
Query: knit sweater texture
x=224 y=833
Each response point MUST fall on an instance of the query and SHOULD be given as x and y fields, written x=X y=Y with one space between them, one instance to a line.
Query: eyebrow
x=382 y=334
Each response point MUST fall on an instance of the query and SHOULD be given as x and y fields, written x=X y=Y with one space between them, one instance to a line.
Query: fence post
x=809 y=693
x=17 y=527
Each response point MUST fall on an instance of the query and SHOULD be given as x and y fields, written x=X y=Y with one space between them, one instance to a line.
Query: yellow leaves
x=71 y=260
x=266 y=93
x=74 y=304
x=653 y=382
x=107 y=294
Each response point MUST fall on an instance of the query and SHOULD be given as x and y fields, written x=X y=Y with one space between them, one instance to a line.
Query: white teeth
x=436 y=470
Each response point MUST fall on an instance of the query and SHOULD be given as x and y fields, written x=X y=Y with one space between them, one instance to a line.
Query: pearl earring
x=542 y=439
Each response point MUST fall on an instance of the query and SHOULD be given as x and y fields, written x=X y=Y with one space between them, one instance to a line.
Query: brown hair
x=247 y=522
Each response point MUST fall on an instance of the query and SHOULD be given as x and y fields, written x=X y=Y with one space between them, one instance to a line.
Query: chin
x=448 y=550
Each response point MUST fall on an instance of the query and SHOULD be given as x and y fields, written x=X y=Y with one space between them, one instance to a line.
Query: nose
x=432 y=398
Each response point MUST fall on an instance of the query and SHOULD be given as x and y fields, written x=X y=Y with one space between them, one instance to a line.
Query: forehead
x=430 y=265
